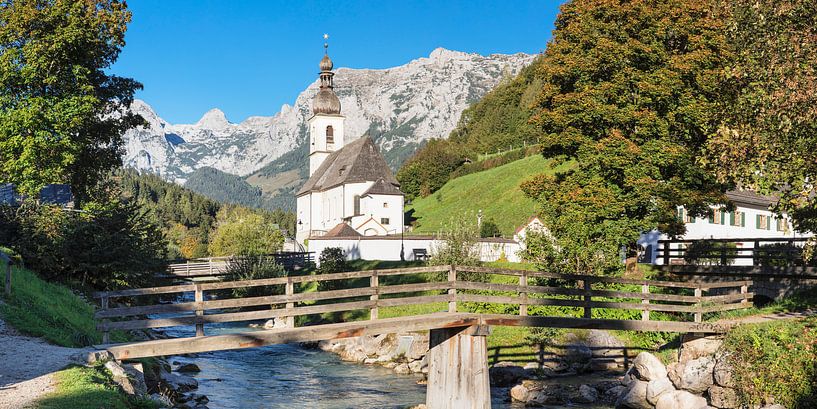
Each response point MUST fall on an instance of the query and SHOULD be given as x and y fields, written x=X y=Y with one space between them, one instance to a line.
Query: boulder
x=680 y=400
x=604 y=344
x=131 y=378
x=695 y=376
x=723 y=373
x=658 y=387
x=648 y=367
x=402 y=369
x=585 y=394
x=416 y=366
x=520 y=393
x=699 y=348
x=577 y=354
x=726 y=398
x=635 y=397
x=604 y=364
x=188 y=368
x=506 y=374
x=180 y=383
x=611 y=395
x=160 y=400
x=99 y=356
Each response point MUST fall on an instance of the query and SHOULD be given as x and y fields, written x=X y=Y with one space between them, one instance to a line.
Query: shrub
x=488 y=228
x=706 y=252
x=332 y=260
x=255 y=268
x=458 y=244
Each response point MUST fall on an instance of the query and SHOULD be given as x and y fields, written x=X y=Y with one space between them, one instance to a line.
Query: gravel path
x=27 y=365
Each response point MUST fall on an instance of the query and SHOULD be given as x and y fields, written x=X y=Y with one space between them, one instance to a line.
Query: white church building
x=351 y=191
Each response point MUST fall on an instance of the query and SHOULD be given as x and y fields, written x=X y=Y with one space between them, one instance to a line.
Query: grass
x=495 y=191
x=89 y=388
x=798 y=301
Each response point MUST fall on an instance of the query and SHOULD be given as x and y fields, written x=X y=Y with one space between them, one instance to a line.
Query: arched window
x=330 y=134
x=357 y=205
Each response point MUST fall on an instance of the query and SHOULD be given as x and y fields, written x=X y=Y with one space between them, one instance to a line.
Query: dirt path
x=777 y=316
x=27 y=365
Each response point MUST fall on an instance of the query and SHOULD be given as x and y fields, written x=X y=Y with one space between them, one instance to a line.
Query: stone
x=723 y=374
x=725 y=398
x=604 y=344
x=276 y=323
x=635 y=397
x=629 y=377
x=658 y=387
x=162 y=401
x=506 y=374
x=699 y=348
x=611 y=395
x=520 y=393
x=94 y=357
x=416 y=366
x=188 y=368
x=695 y=376
x=648 y=367
x=604 y=364
x=585 y=394
x=577 y=353
x=402 y=369
x=180 y=383
x=680 y=400
x=131 y=378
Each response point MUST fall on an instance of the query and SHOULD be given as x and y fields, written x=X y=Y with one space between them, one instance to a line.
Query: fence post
x=199 y=298
x=452 y=279
x=374 y=283
x=106 y=336
x=755 y=257
x=699 y=308
x=523 y=305
x=8 y=278
x=645 y=312
x=667 y=247
x=744 y=290
x=588 y=297
x=290 y=291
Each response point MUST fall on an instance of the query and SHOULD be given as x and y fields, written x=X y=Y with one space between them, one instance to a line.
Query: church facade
x=351 y=191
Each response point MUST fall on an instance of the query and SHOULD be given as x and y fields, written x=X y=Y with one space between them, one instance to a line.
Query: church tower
x=326 y=123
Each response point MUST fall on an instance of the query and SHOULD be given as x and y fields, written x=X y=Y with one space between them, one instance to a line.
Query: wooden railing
x=217 y=266
x=761 y=251
x=375 y=289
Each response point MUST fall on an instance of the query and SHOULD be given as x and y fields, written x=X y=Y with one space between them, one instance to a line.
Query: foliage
x=775 y=359
x=242 y=231
x=629 y=92
x=332 y=260
x=783 y=254
x=81 y=387
x=61 y=115
x=227 y=188
x=105 y=245
x=458 y=243
x=495 y=161
x=428 y=169
x=51 y=311
x=706 y=252
x=488 y=228
x=255 y=268
x=496 y=192
x=769 y=105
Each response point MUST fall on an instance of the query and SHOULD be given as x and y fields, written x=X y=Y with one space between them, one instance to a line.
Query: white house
x=349 y=181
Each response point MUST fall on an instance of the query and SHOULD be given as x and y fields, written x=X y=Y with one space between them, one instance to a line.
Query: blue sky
x=250 y=57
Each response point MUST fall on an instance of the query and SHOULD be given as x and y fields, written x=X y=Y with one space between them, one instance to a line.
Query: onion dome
x=326 y=102
x=326 y=63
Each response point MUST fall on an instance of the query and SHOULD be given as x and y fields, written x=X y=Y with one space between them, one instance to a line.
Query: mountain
x=399 y=107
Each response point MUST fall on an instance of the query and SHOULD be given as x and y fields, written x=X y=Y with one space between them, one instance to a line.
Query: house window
x=782 y=225
x=737 y=218
x=385 y=205
x=718 y=217
x=341 y=170
x=357 y=205
x=763 y=222
x=684 y=217
x=384 y=220
x=330 y=135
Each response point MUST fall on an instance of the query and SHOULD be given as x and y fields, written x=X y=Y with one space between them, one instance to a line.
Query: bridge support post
x=458 y=368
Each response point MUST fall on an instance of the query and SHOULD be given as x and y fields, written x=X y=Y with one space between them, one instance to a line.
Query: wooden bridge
x=450 y=301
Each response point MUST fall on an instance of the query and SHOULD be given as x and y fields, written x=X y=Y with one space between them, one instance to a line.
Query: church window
x=385 y=205
x=330 y=134
x=384 y=220
x=357 y=205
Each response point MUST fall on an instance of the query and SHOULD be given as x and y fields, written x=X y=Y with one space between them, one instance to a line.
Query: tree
x=629 y=94
x=488 y=228
x=242 y=232
x=769 y=131
x=61 y=113
x=458 y=243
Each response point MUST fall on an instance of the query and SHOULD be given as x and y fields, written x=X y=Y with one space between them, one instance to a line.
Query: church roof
x=342 y=230
x=359 y=161
x=381 y=187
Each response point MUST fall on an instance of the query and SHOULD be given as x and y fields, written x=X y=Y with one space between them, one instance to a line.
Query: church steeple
x=326 y=102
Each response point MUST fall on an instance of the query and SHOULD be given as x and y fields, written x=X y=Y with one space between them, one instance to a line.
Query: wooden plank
x=288 y=335
x=523 y=305
x=645 y=313
x=457 y=370
x=452 y=290
x=411 y=288
x=532 y=289
x=199 y=297
x=503 y=299
x=698 y=314
x=573 y=277
x=606 y=324
x=289 y=292
x=393 y=302
x=170 y=289
x=374 y=283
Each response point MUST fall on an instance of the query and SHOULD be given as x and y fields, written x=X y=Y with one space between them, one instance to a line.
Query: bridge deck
x=372 y=327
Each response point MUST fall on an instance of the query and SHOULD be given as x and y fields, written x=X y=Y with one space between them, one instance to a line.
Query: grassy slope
x=495 y=191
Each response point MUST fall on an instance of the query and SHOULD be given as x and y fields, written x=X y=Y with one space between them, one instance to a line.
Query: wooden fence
x=450 y=286
x=761 y=251
x=215 y=267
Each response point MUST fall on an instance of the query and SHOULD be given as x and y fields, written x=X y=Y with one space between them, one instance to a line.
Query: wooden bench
x=420 y=254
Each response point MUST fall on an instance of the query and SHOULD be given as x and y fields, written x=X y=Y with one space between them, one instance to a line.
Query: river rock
x=648 y=367
x=604 y=344
x=726 y=398
x=699 y=347
x=131 y=378
x=506 y=374
x=520 y=393
x=180 y=383
x=402 y=369
x=188 y=368
x=695 y=376
x=585 y=394
x=577 y=354
x=680 y=400
x=658 y=387
x=416 y=366
x=635 y=397
x=611 y=395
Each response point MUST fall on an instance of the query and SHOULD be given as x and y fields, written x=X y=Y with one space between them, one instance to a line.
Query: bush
x=255 y=268
x=782 y=255
x=706 y=252
x=458 y=243
x=775 y=360
x=488 y=228
x=332 y=260
x=245 y=232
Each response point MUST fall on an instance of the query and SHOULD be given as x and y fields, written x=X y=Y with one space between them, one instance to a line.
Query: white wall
x=318 y=147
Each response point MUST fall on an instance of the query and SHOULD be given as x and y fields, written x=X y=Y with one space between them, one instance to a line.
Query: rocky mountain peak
x=213 y=119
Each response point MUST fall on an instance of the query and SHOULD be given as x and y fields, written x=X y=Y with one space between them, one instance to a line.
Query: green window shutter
x=757 y=221
x=742 y=219
x=769 y=223
x=681 y=214
x=712 y=218
x=731 y=218
x=723 y=217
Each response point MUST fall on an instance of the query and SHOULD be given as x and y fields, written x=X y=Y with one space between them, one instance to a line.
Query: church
x=351 y=191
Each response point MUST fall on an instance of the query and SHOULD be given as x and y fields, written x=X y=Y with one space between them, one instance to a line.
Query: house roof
x=7 y=194
x=359 y=161
x=527 y=223
x=381 y=187
x=748 y=197
x=342 y=230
